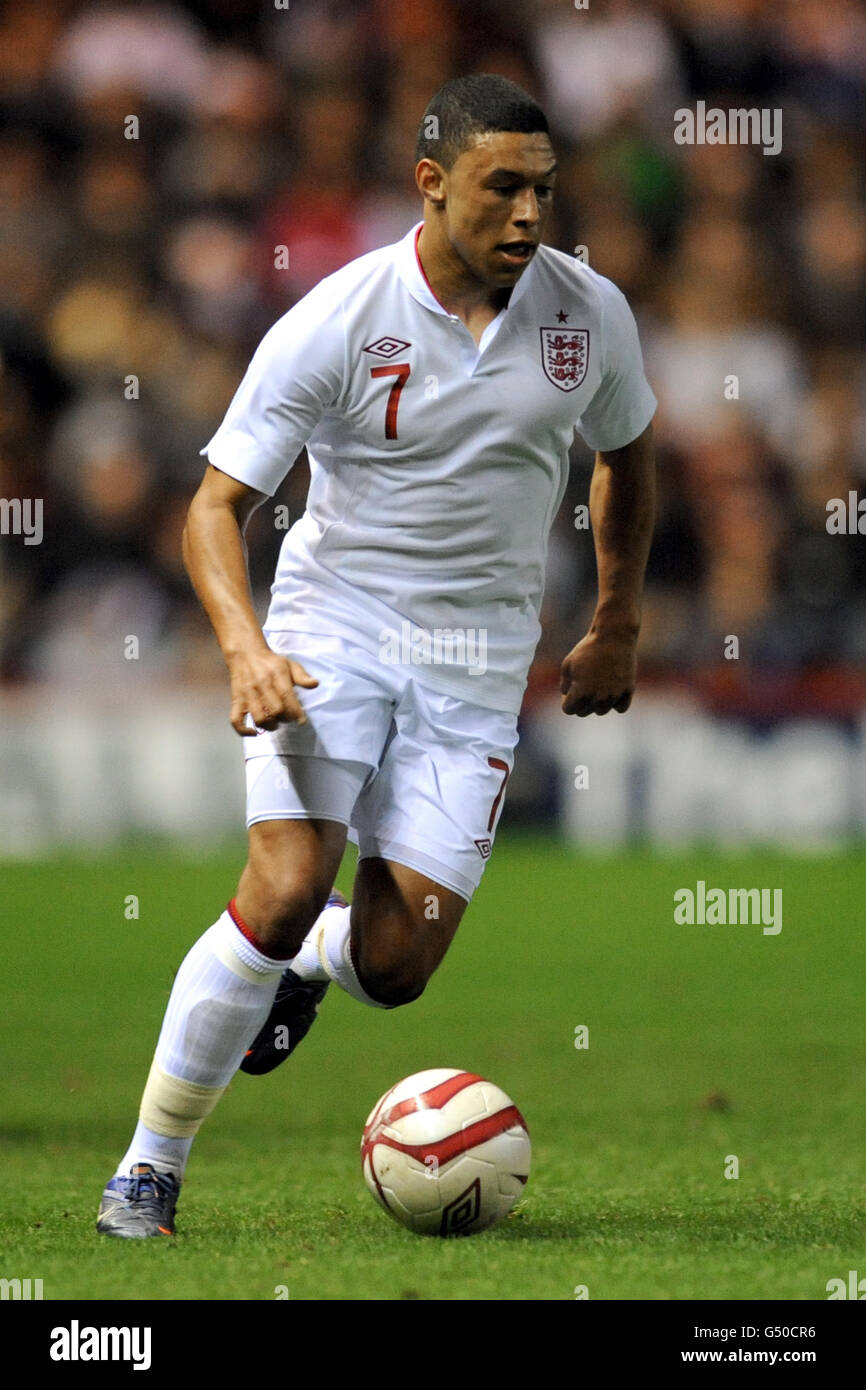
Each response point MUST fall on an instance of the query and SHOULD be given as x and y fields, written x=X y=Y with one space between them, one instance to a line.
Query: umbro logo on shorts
x=483 y=847
x=387 y=347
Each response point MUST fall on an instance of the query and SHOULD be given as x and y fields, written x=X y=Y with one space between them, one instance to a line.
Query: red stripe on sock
x=244 y=930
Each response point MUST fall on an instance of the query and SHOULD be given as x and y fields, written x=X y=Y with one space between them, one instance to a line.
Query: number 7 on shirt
x=401 y=371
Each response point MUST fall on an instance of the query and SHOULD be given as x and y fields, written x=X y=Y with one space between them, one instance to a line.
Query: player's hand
x=263 y=685
x=599 y=674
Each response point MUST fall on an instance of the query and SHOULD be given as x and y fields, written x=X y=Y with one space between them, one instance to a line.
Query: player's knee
x=288 y=903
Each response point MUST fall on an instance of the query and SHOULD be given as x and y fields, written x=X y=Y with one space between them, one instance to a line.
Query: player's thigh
x=426 y=824
x=348 y=713
x=298 y=810
x=436 y=799
x=290 y=869
x=301 y=777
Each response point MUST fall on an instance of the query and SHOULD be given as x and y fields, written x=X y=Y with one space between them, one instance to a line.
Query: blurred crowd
x=154 y=155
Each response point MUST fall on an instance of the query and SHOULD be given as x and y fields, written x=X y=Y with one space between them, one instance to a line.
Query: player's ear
x=430 y=178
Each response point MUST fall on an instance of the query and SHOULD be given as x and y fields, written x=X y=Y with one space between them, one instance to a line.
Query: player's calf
x=381 y=951
x=391 y=976
x=402 y=925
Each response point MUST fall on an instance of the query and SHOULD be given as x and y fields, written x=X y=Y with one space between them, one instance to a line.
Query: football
x=446 y=1152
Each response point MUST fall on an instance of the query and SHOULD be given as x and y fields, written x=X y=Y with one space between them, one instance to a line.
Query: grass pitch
x=705 y=1043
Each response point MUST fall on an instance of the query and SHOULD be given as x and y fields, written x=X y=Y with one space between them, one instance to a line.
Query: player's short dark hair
x=467 y=107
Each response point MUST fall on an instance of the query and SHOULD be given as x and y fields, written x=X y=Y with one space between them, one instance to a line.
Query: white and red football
x=446 y=1152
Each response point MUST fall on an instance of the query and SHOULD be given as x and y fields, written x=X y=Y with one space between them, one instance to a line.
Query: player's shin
x=222 y=995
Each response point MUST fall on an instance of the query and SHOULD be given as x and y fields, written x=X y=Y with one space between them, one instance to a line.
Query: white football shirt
x=437 y=466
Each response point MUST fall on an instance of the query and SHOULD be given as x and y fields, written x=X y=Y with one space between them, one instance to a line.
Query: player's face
x=498 y=197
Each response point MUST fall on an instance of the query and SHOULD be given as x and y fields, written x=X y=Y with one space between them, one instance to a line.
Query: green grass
x=703 y=1042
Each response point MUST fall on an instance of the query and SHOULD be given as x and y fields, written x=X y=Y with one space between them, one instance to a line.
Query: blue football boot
x=142 y=1204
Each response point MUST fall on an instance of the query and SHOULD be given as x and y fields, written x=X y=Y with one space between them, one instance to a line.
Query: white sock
x=222 y=995
x=308 y=962
x=167 y=1155
x=325 y=955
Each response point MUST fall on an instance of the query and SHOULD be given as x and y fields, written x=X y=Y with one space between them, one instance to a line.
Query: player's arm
x=599 y=674
x=262 y=683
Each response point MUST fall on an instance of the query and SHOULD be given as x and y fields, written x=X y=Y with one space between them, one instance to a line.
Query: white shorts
x=417 y=777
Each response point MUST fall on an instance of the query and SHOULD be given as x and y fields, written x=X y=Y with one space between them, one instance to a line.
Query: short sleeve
x=295 y=374
x=623 y=405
